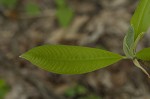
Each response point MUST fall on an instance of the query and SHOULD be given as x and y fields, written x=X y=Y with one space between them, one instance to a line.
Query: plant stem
x=136 y=62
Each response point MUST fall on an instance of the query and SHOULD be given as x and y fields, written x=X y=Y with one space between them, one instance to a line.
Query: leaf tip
x=22 y=56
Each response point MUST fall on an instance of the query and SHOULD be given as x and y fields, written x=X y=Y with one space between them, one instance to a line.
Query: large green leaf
x=144 y=54
x=64 y=59
x=141 y=17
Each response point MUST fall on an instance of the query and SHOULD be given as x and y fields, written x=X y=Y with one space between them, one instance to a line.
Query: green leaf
x=9 y=3
x=61 y=3
x=128 y=43
x=141 y=17
x=64 y=16
x=32 y=9
x=64 y=59
x=130 y=37
x=144 y=54
x=90 y=96
x=71 y=92
x=81 y=89
x=76 y=90
x=140 y=36
x=4 y=89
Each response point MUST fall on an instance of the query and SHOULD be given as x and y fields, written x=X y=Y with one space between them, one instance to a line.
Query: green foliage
x=71 y=92
x=61 y=3
x=32 y=9
x=64 y=16
x=77 y=60
x=91 y=96
x=76 y=90
x=144 y=54
x=3 y=88
x=81 y=89
x=141 y=17
x=81 y=92
x=8 y=3
x=140 y=22
x=64 y=13
x=70 y=59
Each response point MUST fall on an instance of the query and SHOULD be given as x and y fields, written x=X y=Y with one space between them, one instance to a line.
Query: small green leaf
x=71 y=92
x=130 y=37
x=4 y=89
x=81 y=89
x=32 y=9
x=76 y=90
x=129 y=42
x=144 y=54
x=141 y=17
x=64 y=59
x=90 y=96
x=64 y=16
x=140 y=36
x=126 y=50
x=9 y=3
x=60 y=3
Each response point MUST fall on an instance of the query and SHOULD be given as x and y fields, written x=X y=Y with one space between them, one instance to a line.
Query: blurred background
x=25 y=24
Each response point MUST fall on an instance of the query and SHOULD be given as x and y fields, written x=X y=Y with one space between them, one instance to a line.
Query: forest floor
x=96 y=23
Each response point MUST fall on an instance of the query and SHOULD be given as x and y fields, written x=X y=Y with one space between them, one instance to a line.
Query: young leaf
x=129 y=42
x=140 y=36
x=64 y=16
x=144 y=54
x=141 y=17
x=64 y=59
x=32 y=9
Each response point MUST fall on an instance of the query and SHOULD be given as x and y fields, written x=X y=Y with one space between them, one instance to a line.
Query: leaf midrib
x=96 y=59
x=140 y=20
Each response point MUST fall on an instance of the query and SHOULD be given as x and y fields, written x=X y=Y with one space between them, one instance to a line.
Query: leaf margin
x=77 y=72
